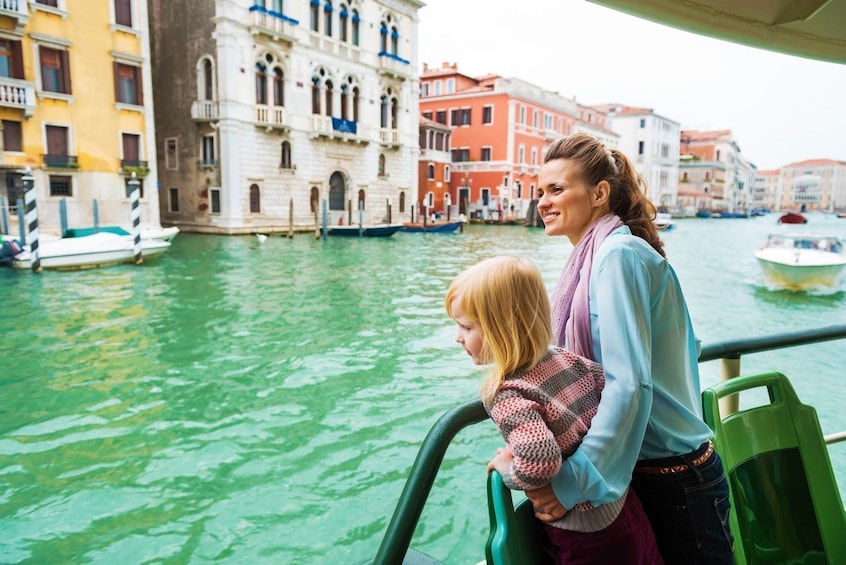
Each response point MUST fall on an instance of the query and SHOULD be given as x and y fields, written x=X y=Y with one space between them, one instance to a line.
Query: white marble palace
x=266 y=109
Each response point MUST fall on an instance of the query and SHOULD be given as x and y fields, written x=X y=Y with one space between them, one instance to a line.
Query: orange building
x=500 y=129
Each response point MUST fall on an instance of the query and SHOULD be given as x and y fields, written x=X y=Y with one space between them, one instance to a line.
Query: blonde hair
x=507 y=298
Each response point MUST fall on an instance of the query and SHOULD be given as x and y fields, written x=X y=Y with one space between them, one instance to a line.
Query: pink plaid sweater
x=543 y=415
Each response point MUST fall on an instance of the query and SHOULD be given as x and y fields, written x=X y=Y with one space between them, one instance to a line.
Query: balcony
x=271 y=117
x=16 y=93
x=273 y=24
x=349 y=51
x=338 y=128
x=389 y=137
x=52 y=161
x=392 y=65
x=17 y=11
x=129 y=166
x=204 y=111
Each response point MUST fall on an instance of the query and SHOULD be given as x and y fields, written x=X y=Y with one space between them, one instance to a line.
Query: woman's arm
x=600 y=470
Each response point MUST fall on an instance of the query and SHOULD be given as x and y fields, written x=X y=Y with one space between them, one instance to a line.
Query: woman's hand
x=502 y=461
x=547 y=507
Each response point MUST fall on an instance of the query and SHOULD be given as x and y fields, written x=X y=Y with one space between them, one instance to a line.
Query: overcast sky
x=781 y=109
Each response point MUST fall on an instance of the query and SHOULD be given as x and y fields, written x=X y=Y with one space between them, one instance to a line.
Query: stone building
x=267 y=112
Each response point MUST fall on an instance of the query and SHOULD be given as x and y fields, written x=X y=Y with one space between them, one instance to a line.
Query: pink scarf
x=570 y=302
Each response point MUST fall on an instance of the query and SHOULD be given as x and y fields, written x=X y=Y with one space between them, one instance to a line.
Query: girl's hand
x=502 y=461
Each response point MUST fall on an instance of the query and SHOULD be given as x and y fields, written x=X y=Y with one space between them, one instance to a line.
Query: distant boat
x=379 y=230
x=703 y=213
x=434 y=227
x=89 y=251
x=792 y=218
x=664 y=221
x=802 y=261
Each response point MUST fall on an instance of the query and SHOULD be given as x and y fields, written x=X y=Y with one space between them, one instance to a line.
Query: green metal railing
x=400 y=530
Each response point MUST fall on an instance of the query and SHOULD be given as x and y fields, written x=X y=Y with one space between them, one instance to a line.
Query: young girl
x=542 y=400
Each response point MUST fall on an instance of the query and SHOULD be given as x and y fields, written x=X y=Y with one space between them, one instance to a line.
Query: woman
x=619 y=303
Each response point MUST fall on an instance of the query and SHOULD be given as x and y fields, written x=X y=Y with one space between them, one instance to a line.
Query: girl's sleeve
x=537 y=457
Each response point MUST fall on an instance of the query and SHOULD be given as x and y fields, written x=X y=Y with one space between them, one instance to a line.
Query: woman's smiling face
x=565 y=203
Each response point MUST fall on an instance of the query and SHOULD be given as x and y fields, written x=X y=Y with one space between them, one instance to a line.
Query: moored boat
x=88 y=252
x=147 y=232
x=664 y=221
x=799 y=261
x=378 y=230
x=434 y=227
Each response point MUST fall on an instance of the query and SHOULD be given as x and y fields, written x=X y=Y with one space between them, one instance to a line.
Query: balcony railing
x=389 y=136
x=16 y=10
x=275 y=24
x=271 y=116
x=337 y=128
x=15 y=93
x=393 y=65
x=60 y=161
x=204 y=110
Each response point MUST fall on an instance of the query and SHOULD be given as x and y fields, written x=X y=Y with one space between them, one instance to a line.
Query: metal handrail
x=400 y=530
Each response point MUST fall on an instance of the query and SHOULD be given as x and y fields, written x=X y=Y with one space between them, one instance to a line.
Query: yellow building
x=76 y=107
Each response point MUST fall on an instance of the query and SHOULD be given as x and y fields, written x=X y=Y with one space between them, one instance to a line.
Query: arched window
x=381 y=165
x=355 y=27
x=389 y=110
x=328 y=110
x=208 y=80
x=446 y=173
x=314 y=199
x=356 y=99
x=315 y=95
x=314 y=13
x=344 y=101
x=343 y=23
x=261 y=83
x=360 y=200
x=337 y=187
x=383 y=114
x=327 y=18
x=402 y=202
x=383 y=38
x=278 y=87
x=255 y=199
x=285 y=161
x=394 y=40
x=431 y=171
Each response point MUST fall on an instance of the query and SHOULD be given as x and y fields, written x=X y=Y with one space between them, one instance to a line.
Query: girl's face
x=565 y=203
x=469 y=334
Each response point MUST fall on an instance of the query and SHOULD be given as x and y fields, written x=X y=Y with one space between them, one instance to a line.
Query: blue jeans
x=689 y=511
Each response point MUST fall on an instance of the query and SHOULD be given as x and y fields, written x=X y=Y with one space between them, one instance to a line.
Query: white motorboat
x=89 y=251
x=799 y=261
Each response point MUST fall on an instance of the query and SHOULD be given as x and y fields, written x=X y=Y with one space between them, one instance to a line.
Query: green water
x=237 y=402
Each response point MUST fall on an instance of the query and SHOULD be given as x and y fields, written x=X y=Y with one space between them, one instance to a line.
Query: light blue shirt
x=651 y=405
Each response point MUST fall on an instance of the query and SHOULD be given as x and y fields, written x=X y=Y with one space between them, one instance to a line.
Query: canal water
x=241 y=402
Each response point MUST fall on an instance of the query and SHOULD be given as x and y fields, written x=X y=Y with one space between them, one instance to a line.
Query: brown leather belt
x=696 y=462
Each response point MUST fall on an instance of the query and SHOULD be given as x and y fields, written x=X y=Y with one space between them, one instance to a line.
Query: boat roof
x=812 y=29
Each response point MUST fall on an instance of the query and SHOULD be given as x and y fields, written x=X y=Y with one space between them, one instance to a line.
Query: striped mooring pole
x=31 y=218
x=135 y=198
